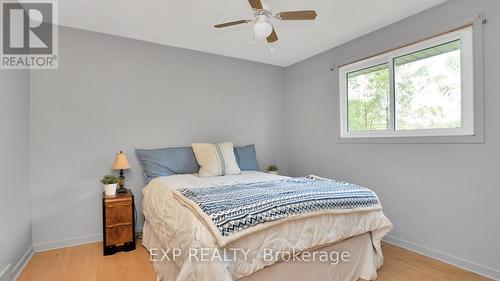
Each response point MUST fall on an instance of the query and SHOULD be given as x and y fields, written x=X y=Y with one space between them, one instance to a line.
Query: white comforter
x=179 y=228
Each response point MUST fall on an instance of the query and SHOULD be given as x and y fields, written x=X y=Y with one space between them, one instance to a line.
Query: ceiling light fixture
x=262 y=28
x=263 y=19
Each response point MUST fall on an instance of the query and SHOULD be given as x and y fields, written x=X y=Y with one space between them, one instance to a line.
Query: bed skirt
x=362 y=263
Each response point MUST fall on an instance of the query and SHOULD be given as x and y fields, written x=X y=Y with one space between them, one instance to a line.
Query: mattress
x=178 y=227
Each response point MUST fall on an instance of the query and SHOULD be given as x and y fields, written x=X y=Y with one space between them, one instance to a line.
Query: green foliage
x=272 y=168
x=414 y=81
x=109 y=179
x=421 y=93
x=369 y=110
x=453 y=64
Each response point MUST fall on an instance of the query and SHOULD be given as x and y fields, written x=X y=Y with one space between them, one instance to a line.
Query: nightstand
x=118 y=221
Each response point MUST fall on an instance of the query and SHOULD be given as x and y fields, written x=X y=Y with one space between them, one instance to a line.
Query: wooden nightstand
x=118 y=221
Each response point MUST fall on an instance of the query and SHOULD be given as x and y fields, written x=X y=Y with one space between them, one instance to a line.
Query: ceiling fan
x=262 y=26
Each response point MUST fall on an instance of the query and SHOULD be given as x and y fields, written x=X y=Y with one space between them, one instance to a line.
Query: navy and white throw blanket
x=236 y=208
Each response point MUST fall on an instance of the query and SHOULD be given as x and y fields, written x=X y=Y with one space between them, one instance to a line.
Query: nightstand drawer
x=118 y=213
x=119 y=234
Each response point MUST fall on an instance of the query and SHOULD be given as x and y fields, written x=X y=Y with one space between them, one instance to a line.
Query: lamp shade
x=121 y=162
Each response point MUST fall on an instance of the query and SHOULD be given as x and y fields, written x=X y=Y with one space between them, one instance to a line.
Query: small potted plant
x=272 y=169
x=109 y=182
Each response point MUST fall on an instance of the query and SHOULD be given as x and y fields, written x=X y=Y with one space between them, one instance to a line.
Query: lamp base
x=121 y=183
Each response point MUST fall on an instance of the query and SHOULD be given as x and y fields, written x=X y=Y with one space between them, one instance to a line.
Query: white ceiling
x=189 y=24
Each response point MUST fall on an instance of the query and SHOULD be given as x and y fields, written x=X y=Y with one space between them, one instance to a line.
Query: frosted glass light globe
x=262 y=28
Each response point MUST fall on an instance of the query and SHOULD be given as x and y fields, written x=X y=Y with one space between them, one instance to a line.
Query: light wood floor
x=86 y=263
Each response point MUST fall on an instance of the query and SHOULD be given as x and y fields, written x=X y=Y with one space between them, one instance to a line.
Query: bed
x=178 y=217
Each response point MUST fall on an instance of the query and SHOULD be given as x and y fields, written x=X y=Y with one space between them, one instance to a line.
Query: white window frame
x=465 y=36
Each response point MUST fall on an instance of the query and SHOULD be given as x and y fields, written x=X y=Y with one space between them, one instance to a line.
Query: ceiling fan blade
x=256 y=4
x=297 y=15
x=273 y=37
x=231 y=23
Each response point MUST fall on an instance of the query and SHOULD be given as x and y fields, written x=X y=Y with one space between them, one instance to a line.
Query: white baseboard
x=444 y=257
x=57 y=244
x=16 y=271
x=5 y=273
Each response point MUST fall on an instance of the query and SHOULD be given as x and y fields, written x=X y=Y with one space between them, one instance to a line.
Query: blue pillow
x=166 y=162
x=246 y=158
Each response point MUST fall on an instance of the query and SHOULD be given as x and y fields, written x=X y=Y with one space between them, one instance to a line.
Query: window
x=425 y=89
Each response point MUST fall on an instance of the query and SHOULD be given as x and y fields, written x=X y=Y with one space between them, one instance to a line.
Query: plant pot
x=273 y=172
x=110 y=189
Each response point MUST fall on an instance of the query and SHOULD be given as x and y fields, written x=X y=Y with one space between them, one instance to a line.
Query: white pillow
x=216 y=159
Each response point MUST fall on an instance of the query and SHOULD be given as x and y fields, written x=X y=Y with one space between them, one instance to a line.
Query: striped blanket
x=231 y=210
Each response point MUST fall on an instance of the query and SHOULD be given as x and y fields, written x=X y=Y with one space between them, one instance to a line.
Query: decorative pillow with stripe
x=216 y=159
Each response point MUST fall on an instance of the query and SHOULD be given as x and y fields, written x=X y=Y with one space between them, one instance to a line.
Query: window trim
x=465 y=35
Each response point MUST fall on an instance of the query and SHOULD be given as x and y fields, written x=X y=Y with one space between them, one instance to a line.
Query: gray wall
x=15 y=211
x=112 y=93
x=442 y=198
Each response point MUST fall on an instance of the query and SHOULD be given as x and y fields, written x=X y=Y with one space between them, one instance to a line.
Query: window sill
x=475 y=139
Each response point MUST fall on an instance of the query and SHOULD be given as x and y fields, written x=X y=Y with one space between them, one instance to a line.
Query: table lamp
x=121 y=164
